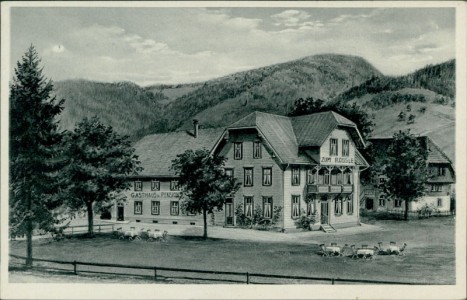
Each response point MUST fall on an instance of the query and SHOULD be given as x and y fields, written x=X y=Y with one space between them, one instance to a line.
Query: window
x=310 y=207
x=257 y=149
x=345 y=147
x=174 y=208
x=295 y=206
x=267 y=207
x=323 y=176
x=267 y=176
x=347 y=177
x=229 y=173
x=440 y=202
x=295 y=175
x=174 y=185
x=349 y=205
x=397 y=203
x=311 y=176
x=338 y=206
x=248 y=206
x=333 y=147
x=138 y=185
x=155 y=185
x=248 y=178
x=382 y=200
x=155 y=207
x=436 y=187
x=334 y=174
x=238 y=150
x=138 y=207
x=441 y=171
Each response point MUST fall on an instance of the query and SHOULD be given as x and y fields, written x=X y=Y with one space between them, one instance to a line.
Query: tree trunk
x=406 y=212
x=205 y=234
x=90 y=220
x=29 y=243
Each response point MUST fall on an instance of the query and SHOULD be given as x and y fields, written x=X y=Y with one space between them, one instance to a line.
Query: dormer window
x=441 y=171
x=333 y=147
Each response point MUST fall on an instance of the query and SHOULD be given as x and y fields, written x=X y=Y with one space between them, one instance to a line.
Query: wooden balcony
x=326 y=189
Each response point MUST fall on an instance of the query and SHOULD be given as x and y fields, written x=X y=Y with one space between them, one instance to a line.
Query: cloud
x=290 y=18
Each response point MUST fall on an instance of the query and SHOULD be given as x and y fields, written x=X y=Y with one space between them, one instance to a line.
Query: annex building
x=308 y=165
x=439 y=185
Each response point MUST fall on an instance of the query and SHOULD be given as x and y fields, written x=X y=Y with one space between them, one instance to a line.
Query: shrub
x=305 y=221
x=401 y=116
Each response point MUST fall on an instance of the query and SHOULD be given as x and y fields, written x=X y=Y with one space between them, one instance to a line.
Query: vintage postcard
x=233 y=150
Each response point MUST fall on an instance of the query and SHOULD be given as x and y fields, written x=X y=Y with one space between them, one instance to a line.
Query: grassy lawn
x=430 y=255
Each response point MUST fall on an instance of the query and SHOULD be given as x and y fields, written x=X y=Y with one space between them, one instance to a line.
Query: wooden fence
x=238 y=277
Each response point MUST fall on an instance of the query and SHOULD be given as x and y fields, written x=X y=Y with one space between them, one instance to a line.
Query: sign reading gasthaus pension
x=155 y=195
x=337 y=160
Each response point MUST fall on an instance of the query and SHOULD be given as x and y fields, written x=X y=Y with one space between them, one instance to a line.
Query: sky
x=181 y=45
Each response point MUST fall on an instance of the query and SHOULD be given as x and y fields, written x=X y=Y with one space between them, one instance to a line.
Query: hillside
x=128 y=108
x=136 y=111
x=271 y=89
x=426 y=94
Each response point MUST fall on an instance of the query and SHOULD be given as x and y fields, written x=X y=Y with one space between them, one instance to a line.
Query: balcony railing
x=324 y=188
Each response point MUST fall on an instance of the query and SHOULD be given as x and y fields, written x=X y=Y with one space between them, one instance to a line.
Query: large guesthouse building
x=308 y=165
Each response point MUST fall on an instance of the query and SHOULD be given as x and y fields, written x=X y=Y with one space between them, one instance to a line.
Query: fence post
x=99 y=228
x=332 y=281
x=247 y=278
x=72 y=230
x=74 y=267
x=155 y=273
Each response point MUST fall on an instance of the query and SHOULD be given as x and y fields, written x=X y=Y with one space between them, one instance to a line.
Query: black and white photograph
x=233 y=150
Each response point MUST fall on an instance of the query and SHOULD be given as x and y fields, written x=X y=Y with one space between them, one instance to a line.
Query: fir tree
x=34 y=150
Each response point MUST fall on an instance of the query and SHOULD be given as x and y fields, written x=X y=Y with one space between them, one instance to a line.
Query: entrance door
x=229 y=214
x=324 y=212
x=120 y=213
x=369 y=204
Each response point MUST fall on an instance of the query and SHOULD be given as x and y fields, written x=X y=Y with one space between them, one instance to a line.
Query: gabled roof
x=286 y=135
x=434 y=156
x=278 y=132
x=434 y=152
x=312 y=130
x=157 y=151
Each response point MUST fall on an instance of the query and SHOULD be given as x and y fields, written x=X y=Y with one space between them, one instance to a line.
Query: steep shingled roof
x=312 y=130
x=157 y=151
x=287 y=134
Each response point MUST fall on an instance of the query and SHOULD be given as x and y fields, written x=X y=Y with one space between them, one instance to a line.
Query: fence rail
x=246 y=275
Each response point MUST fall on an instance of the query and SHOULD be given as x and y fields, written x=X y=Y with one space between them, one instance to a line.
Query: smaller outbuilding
x=439 y=186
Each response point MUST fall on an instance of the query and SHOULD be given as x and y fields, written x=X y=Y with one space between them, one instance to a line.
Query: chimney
x=195 y=127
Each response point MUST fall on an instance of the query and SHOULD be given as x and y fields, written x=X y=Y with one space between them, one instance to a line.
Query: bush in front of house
x=305 y=221
x=257 y=221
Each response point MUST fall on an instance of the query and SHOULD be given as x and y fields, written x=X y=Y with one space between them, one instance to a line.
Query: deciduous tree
x=100 y=161
x=405 y=168
x=34 y=150
x=204 y=184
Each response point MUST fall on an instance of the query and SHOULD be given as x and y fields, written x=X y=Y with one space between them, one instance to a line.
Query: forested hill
x=436 y=78
x=427 y=94
x=136 y=111
x=271 y=89
x=129 y=108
